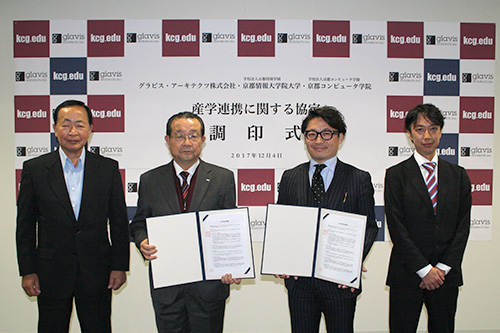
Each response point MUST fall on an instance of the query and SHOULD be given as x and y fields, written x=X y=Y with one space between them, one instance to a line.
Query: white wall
x=260 y=305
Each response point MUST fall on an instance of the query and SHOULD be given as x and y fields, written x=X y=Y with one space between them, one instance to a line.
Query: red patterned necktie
x=431 y=183
x=184 y=187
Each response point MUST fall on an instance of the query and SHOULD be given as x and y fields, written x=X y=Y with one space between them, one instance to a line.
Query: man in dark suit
x=67 y=201
x=327 y=182
x=186 y=184
x=427 y=204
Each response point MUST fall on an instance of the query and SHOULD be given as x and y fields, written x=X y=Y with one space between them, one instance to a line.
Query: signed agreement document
x=314 y=242
x=201 y=246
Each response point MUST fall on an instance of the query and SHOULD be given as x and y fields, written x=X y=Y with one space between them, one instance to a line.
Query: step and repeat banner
x=252 y=82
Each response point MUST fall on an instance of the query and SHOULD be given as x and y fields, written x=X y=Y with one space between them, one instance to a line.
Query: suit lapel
x=203 y=178
x=338 y=183
x=168 y=187
x=444 y=186
x=414 y=176
x=55 y=178
x=91 y=181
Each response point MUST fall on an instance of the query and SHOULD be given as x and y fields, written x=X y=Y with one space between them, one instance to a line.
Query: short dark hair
x=428 y=111
x=184 y=115
x=68 y=103
x=329 y=114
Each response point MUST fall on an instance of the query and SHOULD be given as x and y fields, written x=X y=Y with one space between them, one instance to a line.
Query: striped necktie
x=184 y=187
x=431 y=183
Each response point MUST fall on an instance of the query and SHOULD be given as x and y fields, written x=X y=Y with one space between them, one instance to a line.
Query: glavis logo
x=59 y=38
x=31 y=151
x=368 y=39
x=142 y=37
x=218 y=37
x=132 y=187
x=478 y=77
x=32 y=76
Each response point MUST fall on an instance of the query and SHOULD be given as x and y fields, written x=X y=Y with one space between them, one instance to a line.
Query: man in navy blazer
x=68 y=201
x=347 y=189
x=429 y=236
x=194 y=307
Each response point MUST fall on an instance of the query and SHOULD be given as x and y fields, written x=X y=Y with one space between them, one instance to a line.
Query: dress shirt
x=73 y=176
x=327 y=173
x=191 y=171
x=420 y=161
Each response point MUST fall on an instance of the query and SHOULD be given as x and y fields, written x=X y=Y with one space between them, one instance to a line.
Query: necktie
x=431 y=183
x=184 y=187
x=318 y=187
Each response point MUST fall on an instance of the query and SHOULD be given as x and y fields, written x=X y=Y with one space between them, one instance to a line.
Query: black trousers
x=189 y=313
x=94 y=312
x=308 y=298
x=406 y=305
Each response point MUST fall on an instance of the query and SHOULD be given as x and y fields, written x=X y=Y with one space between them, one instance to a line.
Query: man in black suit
x=427 y=204
x=186 y=184
x=341 y=187
x=67 y=201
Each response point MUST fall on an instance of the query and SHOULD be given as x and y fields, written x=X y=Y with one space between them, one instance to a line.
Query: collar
x=421 y=160
x=191 y=170
x=330 y=164
x=63 y=157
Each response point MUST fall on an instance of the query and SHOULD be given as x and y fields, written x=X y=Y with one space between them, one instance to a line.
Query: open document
x=314 y=242
x=201 y=246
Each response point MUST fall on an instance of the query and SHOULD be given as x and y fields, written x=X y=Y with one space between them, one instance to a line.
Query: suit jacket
x=56 y=246
x=419 y=236
x=351 y=190
x=214 y=189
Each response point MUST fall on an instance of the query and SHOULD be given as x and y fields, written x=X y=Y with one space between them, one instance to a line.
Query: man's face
x=319 y=149
x=185 y=141
x=72 y=129
x=425 y=137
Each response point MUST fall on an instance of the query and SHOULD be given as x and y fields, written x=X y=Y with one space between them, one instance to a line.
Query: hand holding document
x=314 y=242
x=201 y=246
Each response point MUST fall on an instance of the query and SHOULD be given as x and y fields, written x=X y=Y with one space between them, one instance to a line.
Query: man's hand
x=116 y=279
x=228 y=279
x=31 y=285
x=433 y=280
x=353 y=289
x=147 y=250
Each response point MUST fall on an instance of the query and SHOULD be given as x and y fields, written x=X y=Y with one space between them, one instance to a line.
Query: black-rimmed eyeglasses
x=325 y=134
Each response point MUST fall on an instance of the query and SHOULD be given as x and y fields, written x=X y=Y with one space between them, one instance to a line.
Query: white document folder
x=200 y=246
x=314 y=242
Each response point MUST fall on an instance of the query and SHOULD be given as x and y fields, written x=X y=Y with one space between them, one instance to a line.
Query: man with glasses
x=427 y=205
x=327 y=182
x=186 y=184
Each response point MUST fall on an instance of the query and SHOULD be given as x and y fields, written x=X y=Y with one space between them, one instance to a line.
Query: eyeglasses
x=182 y=137
x=325 y=134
